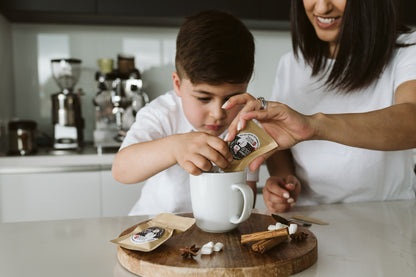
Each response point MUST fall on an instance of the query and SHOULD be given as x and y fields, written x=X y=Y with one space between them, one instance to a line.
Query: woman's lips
x=326 y=22
x=214 y=127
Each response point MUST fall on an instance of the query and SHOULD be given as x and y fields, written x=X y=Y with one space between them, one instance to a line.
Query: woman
x=345 y=119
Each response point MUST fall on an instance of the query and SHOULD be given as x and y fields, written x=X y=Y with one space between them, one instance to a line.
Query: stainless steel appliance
x=22 y=137
x=67 y=120
x=117 y=101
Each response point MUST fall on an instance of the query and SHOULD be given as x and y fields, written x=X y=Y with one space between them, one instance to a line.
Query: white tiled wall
x=33 y=45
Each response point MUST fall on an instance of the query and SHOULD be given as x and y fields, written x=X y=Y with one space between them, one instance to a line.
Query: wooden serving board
x=235 y=259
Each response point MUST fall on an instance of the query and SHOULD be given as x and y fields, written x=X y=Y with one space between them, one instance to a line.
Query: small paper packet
x=248 y=144
x=149 y=235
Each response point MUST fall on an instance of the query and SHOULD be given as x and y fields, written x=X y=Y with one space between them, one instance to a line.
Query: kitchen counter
x=362 y=239
x=45 y=160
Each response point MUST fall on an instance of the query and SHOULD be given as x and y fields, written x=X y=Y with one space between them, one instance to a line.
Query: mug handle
x=248 y=198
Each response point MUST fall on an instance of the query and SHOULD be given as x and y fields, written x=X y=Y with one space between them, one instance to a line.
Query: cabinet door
x=49 y=196
x=244 y=9
x=63 y=6
x=117 y=199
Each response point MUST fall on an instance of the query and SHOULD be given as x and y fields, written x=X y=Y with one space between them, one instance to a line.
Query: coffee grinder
x=67 y=121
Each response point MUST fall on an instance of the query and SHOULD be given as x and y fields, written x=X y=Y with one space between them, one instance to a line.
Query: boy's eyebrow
x=203 y=92
x=210 y=93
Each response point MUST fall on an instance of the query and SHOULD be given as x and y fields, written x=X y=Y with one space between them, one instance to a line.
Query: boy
x=182 y=131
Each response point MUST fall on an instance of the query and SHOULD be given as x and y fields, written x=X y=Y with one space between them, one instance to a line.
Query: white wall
x=154 y=49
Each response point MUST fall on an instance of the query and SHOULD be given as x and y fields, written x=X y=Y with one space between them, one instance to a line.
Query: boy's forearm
x=140 y=161
x=281 y=163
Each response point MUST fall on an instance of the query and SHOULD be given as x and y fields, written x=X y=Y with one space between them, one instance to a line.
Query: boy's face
x=202 y=104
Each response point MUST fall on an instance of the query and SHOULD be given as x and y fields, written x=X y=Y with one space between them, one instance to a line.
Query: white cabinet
x=49 y=196
x=62 y=187
x=117 y=198
x=64 y=195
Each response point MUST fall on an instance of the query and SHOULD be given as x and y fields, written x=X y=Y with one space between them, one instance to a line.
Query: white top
x=332 y=172
x=167 y=191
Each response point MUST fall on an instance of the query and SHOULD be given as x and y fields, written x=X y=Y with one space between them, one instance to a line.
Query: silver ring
x=263 y=103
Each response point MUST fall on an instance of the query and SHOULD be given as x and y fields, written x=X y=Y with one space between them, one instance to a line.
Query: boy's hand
x=280 y=194
x=195 y=151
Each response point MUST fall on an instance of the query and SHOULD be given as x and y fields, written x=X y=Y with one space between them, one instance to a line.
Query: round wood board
x=235 y=259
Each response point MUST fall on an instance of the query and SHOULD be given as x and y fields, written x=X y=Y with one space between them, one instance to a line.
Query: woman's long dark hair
x=367 y=39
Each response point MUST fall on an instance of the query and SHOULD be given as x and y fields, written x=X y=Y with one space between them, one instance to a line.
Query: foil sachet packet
x=248 y=144
x=149 y=235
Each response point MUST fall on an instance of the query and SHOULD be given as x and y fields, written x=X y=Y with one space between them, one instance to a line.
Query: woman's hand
x=195 y=151
x=286 y=126
x=280 y=194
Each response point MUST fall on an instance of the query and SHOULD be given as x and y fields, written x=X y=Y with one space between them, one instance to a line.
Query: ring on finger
x=263 y=103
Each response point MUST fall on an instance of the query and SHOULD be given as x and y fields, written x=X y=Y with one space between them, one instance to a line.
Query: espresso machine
x=119 y=98
x=67 y=120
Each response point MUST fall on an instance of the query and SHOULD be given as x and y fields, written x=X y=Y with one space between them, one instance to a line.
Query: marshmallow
x=293 y=227
x=218 y=246
x=209 y=244
x=280 y=226
x=206 y=250
x=271 y=227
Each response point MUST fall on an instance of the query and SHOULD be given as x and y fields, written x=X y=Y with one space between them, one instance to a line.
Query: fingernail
x=286 y=195
x=239 y=125
x=290 y=186
x=290 y=200
x=225 y=105
x=292 y=204
x=226 y=137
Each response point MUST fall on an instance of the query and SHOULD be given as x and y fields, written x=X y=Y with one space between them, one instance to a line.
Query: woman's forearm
x=392 y=128
x=281 y=163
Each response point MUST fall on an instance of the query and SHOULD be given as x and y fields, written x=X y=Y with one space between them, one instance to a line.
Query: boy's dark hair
x=214 y=47
x=366 y=42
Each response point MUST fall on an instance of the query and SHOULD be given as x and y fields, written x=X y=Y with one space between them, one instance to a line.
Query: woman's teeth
x=327 y=20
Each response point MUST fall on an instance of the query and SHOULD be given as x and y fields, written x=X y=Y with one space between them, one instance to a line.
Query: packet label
x=147 y=235
x=243 y=145
x=248 y=144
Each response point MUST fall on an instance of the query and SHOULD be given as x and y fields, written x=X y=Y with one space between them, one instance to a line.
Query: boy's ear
x=176 y=84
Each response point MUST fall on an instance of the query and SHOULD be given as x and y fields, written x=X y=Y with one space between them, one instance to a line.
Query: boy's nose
x=217 y=111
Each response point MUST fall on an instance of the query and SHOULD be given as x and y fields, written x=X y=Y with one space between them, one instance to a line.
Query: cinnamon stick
x=266 y=244
x=264 y=235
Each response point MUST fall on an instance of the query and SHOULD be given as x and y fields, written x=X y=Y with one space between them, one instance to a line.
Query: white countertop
x=87 y=160
x=362 y=239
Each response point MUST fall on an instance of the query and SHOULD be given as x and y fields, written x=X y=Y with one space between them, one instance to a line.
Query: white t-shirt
x=167 y=191
x=331 y=172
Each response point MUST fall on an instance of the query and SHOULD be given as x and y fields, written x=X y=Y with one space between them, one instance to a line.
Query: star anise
x=190 y=252
x=299 y=236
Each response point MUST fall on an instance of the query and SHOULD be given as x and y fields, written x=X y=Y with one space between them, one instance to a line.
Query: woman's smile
x=326 y=22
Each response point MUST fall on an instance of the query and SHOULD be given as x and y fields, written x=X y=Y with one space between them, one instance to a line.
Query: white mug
x=220 y=201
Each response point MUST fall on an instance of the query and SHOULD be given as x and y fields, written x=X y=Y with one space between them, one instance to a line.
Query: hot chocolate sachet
x=249 y=144
x=149 y=235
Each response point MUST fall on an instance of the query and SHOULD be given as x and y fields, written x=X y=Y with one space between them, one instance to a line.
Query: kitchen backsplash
x=28 y=48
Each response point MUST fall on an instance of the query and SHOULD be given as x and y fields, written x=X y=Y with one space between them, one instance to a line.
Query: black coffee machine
x=67 y=120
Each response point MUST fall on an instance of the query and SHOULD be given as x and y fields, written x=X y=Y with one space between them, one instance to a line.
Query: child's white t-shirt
x=167 y=191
